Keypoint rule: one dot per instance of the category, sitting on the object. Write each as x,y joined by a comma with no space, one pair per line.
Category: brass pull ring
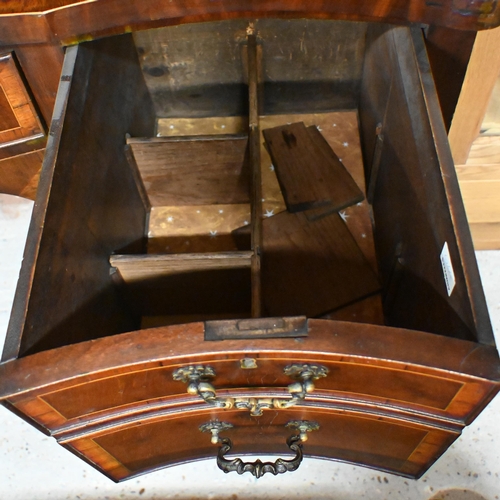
258,468
197,377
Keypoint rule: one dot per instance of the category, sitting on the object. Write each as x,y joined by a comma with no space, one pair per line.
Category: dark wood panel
42,65
77,20
311,268
82,215
411,206
197,172
309,172
449,52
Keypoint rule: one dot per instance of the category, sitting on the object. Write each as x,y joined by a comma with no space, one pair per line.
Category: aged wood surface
140,267
19,122
22,130
409,350
86,214
96,393
19,175
193,172
349,436
175,127
449,53
42,65
256,328
309,172
412,269
197,228
311,268
254,56
71,21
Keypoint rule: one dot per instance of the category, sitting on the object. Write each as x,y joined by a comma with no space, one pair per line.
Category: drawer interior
159,202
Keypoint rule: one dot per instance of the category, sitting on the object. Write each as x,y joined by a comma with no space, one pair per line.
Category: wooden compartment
159,211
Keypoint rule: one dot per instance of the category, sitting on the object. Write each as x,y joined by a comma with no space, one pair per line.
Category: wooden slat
193,172
311,268
480,79
309,172
142,267
254,154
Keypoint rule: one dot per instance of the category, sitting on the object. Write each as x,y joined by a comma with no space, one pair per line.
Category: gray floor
33,466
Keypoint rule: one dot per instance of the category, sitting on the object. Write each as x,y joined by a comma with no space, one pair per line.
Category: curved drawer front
384,443
407,389
390,368
390,400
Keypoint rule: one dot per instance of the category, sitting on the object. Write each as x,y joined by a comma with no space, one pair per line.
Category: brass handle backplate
198,376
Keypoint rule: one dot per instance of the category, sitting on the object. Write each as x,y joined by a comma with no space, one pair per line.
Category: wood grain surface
72,21
141,267
309,172
194,172
84,214
311,268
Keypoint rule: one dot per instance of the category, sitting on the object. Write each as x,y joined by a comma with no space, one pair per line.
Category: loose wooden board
311,268
309,172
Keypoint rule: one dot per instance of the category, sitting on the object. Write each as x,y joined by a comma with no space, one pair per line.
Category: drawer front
431,393
388,444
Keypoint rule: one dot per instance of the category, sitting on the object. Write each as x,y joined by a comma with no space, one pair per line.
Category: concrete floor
34,467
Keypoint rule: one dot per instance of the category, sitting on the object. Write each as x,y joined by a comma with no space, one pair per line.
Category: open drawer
164,286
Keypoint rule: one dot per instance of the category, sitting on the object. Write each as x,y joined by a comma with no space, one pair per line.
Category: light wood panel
480,187
480,79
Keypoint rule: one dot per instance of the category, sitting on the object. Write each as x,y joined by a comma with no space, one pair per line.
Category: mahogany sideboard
150,329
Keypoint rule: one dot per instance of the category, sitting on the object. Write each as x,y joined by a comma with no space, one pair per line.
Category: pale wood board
482,74
486,236
171,127
480,187
491,121
142,267
485,150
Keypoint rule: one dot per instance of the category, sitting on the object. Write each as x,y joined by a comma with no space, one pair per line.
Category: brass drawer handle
259,468
197,377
